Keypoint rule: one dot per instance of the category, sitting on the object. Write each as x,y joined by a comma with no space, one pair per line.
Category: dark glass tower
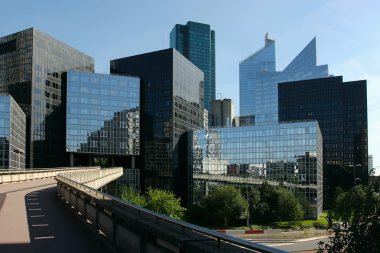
31,65
171,103
196,42
341,111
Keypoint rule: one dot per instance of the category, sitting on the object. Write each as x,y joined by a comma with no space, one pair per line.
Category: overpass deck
33,219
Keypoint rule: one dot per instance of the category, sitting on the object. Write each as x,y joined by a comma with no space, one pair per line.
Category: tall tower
31,64
259,79
196,42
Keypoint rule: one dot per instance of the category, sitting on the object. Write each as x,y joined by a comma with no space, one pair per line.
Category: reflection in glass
249,156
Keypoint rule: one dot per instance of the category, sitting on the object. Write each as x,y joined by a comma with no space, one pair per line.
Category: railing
11,176
114,202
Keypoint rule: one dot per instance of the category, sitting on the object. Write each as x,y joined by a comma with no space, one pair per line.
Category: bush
306,225
320,224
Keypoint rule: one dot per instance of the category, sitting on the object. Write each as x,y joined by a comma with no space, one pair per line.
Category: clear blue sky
347,31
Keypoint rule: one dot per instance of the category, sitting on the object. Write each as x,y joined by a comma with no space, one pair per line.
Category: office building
171,103
280,154
222,113
245,120
102,118
259,79
341,111
12,134
196,42
31,67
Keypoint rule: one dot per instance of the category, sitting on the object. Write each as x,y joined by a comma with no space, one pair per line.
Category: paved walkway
33,219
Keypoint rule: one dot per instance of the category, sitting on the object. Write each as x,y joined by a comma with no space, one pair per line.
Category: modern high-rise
171,103
12,134
102,118
341,111
31,67
222,113
259,79
196,41
279,154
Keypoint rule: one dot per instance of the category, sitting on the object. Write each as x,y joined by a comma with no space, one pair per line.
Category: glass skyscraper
341,110
12,134
102,115
280,154
171,103
259,79
196,42
31,65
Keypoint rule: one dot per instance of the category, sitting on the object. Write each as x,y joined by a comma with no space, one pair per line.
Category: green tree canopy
288,206
355,219
225,203
132,196
164,202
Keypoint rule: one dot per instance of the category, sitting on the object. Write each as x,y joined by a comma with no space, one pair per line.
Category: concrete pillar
71,159
133,162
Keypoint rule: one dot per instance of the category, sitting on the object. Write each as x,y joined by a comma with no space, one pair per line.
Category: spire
307,58
267,39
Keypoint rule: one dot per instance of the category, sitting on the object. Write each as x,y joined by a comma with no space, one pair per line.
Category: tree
132,196
288,206
225,203
358,229
164,202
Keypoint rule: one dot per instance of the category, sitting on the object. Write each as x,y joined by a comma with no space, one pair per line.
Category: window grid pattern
12,134
103,114
259,79
287,154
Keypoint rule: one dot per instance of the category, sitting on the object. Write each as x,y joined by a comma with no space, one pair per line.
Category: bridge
62,210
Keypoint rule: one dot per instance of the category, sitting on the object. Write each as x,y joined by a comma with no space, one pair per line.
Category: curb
250,231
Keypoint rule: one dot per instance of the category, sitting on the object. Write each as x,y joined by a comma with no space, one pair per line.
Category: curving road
33,219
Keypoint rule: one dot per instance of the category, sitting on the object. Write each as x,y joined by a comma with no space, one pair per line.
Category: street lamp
354,168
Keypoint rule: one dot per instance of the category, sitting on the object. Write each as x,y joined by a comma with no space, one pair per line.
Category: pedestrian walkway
33,219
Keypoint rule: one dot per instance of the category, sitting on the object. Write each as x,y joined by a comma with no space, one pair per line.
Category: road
290,245
33,219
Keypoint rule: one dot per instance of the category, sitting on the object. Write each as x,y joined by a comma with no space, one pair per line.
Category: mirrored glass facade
259,79
12,134
341,110
31,67
102,114
171,103
196,42
286,154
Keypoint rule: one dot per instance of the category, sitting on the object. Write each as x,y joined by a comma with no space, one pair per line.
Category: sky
347,32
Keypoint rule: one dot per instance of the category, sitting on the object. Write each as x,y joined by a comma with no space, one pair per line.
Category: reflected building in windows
31,68
259,79
102,118
196,41
171,103
341,111
12,134
280,154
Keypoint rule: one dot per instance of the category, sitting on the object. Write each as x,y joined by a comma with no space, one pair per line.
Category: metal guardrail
218,237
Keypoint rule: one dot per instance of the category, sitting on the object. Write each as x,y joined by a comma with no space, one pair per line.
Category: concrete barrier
128,228
8,176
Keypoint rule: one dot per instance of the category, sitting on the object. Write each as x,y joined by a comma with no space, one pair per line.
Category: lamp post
354,168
